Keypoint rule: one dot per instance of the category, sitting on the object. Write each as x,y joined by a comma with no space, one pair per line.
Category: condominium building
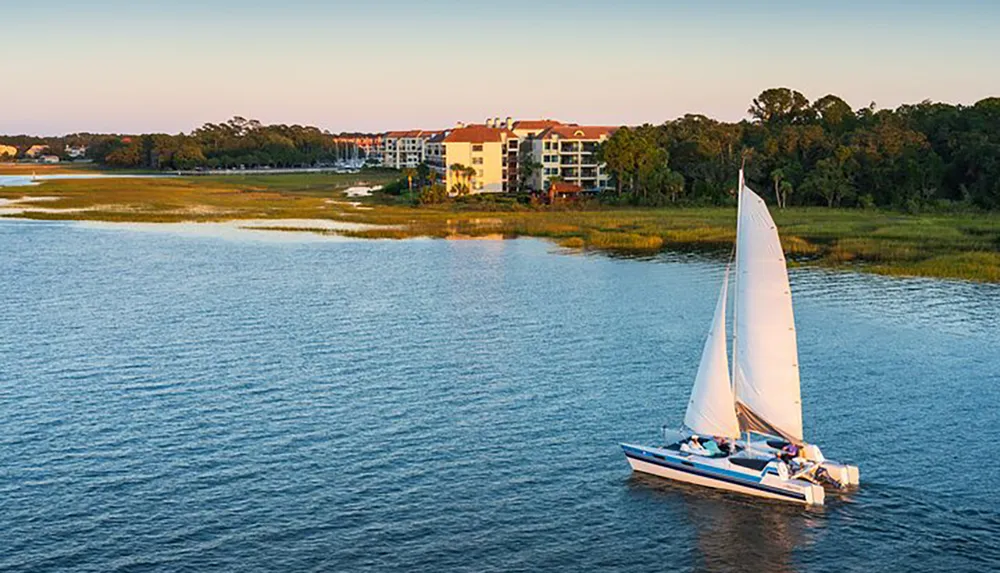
490,150
568,153
434,154
525,129
402,149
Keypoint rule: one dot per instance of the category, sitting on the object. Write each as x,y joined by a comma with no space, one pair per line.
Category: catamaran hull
768,486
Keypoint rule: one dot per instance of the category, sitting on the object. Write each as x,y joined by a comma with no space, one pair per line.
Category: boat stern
815,494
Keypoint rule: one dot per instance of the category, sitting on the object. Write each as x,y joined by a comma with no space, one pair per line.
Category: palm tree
777,175
457,169
469,172
409,173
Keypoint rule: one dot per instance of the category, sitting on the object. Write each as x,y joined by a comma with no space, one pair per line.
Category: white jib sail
711,411
765,354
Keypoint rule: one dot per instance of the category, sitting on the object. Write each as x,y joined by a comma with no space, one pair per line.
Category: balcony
569,147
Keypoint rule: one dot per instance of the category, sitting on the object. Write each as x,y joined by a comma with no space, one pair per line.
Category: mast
736,275
736,282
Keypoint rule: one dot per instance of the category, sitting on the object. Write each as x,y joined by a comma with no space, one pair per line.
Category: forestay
710,411
765,354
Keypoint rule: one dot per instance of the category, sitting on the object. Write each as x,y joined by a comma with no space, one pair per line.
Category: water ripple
175,402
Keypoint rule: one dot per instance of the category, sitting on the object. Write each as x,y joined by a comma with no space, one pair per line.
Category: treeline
236,143
819,153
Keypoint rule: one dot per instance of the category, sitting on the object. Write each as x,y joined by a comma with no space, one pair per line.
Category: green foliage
913,158
526,168
433,194
396,187
127,155
781,105
236,143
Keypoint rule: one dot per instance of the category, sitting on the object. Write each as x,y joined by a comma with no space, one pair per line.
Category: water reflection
733,533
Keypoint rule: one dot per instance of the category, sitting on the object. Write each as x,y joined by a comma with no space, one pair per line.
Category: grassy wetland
946,245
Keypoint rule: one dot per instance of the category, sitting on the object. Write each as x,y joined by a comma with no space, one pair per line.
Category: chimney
496,122
510,122
489,122
459,124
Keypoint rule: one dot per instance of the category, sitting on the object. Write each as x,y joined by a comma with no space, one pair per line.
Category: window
548,145
477,160
477,147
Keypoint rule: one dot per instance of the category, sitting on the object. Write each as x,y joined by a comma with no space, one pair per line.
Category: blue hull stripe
715,476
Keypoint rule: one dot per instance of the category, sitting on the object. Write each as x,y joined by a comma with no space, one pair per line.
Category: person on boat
712,447
789,452
724,446
693,446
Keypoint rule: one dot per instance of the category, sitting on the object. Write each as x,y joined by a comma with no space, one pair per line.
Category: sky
374,65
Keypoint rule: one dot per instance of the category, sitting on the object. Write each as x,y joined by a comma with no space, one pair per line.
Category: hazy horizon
110,66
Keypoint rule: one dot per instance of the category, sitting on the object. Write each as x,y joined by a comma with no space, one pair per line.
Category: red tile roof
564,187
478,134
538,123
577,132
411,133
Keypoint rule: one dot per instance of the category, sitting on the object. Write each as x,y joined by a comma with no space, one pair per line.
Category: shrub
433,195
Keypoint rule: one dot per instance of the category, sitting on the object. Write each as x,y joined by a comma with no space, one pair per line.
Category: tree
424,173
785,191
828,181
128,155
526,168
834,113
188,156
409,173
780,105
433,194
461,173
778,176
470,173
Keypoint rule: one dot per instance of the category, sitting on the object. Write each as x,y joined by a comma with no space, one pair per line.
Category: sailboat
754,417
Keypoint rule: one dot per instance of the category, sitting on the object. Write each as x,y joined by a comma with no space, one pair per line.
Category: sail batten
711,410
765,350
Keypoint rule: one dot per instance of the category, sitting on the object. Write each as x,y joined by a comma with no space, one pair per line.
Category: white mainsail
765,352
711,411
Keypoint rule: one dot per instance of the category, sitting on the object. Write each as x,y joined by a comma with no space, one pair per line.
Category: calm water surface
172,402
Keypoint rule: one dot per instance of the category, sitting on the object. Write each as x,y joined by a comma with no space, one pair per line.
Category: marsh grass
27,169
963,246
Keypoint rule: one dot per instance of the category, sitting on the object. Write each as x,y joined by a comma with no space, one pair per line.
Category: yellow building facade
481,159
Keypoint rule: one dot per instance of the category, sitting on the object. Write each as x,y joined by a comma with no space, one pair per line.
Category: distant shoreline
941,245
